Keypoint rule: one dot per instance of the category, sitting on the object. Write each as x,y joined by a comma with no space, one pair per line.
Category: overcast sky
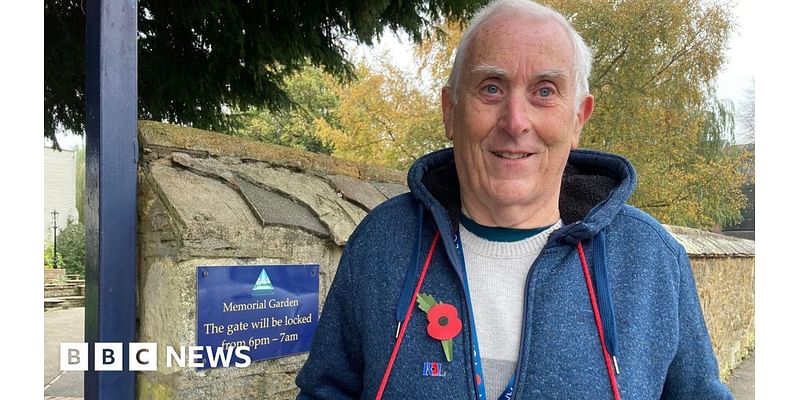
738,75
739,71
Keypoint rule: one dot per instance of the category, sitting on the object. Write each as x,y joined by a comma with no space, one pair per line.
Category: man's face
515,120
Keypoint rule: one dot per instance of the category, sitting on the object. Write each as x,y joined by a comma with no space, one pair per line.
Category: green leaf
425,302
447,345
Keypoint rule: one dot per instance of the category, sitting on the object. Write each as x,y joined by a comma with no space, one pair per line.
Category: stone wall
724,271
211,199
55,275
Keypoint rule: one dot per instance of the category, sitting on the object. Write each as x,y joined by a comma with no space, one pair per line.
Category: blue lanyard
475,350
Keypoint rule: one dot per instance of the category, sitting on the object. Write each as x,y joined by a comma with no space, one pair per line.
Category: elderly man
514,268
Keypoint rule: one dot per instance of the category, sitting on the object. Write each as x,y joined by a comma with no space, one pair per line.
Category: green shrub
72,246
49,260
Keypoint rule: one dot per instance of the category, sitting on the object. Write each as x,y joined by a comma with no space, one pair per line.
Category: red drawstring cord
599,322
388,371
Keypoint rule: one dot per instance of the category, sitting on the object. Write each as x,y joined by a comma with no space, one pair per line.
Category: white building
59,189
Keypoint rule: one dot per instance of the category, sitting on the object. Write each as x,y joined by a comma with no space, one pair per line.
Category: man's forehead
503,38
511,26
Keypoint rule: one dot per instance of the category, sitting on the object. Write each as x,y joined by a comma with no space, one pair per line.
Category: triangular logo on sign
263,284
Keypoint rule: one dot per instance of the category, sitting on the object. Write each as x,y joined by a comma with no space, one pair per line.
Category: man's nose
516,117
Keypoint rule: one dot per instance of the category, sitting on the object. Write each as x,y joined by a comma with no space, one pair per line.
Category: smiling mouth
511,156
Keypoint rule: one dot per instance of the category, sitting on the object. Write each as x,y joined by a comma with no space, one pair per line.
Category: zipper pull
616,366
396,334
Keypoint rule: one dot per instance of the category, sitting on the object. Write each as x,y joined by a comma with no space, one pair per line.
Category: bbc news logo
144,356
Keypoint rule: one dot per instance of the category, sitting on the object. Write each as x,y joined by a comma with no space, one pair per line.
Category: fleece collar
594,187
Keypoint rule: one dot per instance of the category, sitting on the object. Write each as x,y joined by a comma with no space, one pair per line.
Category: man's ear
581,116
447,111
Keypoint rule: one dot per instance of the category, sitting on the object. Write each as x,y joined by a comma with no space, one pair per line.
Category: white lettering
196,356
143,356
241,353
233,307
180,359
283,303
218,354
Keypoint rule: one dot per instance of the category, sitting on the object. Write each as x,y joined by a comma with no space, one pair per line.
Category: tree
746,114
392,117
72,247
653,79
199,59
385,118
313,95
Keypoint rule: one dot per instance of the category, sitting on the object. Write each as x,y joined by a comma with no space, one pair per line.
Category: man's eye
545,92
491,89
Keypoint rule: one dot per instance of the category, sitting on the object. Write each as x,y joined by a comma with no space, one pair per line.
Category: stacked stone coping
211,199
160,138
701,243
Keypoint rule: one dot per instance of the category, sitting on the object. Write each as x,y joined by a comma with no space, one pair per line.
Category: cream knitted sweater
496,273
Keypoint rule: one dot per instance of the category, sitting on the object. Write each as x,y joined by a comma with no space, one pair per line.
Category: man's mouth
511,156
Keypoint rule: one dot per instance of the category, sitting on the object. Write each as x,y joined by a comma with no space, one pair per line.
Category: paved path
743,379
61,326
67,326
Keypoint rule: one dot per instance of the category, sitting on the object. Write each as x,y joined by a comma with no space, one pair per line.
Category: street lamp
55,237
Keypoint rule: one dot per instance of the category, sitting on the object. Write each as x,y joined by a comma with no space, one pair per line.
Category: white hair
582,67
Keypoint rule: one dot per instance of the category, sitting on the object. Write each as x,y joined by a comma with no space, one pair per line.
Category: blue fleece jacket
651,316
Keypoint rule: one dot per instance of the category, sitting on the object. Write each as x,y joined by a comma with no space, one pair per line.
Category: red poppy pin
443,322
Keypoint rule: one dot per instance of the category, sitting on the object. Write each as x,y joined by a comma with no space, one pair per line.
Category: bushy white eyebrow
489,70
550,73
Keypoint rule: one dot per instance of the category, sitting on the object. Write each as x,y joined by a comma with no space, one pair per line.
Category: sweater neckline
499,234
531,246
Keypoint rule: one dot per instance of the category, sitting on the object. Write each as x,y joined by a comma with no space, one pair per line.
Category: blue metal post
111,158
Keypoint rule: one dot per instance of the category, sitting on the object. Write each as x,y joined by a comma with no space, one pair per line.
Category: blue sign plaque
273,309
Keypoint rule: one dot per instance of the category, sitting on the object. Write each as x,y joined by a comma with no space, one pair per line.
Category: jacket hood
594,187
